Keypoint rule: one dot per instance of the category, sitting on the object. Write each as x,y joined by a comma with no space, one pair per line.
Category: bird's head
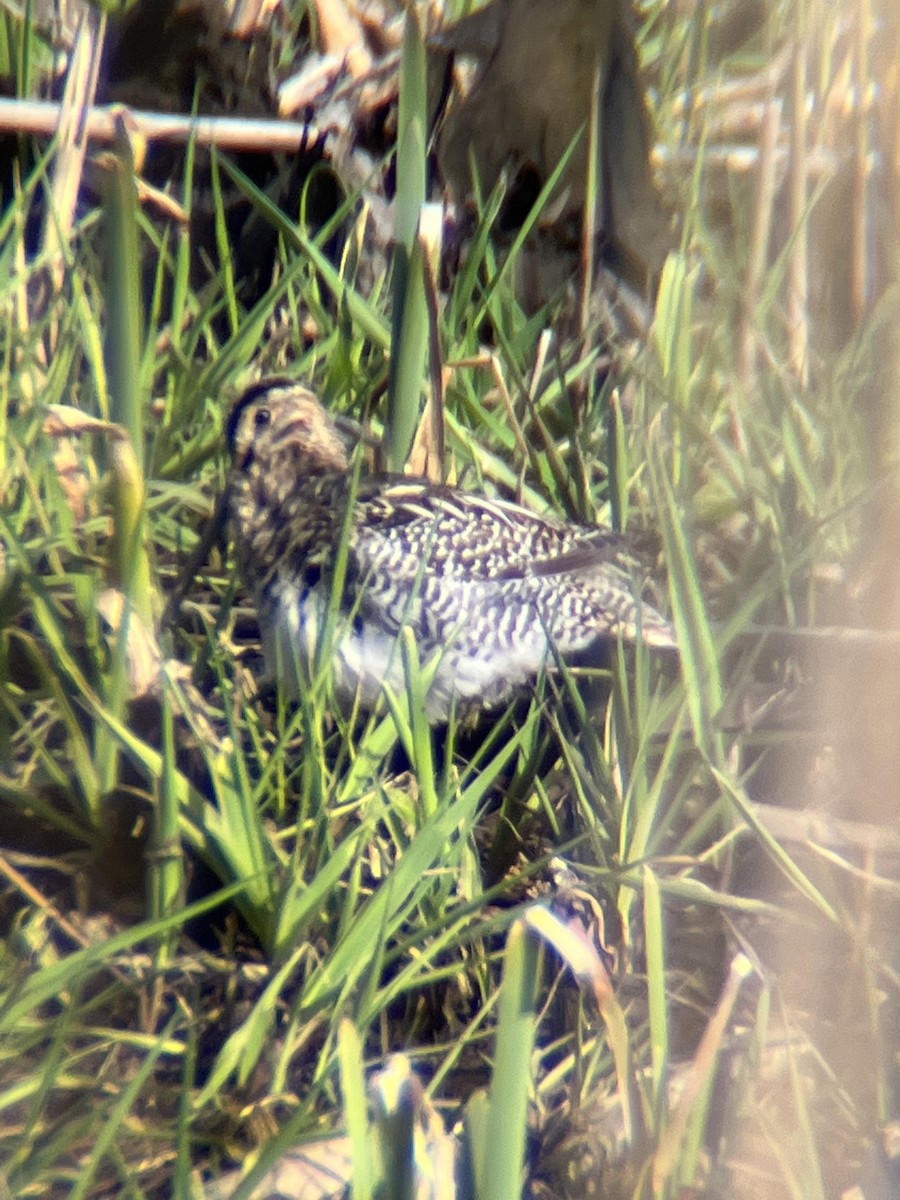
278,421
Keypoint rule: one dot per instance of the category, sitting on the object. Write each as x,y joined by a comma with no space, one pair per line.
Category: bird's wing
468,536
580,562
478,538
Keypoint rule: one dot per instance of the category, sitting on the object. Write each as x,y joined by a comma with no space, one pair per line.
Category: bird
493,593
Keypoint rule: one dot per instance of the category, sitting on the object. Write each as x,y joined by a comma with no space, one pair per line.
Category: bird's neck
280,517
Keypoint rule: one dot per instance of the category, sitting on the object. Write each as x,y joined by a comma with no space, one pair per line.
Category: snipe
491,591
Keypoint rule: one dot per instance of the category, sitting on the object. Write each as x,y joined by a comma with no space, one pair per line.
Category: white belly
365,658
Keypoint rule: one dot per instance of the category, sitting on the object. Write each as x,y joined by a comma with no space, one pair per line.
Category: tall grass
291,895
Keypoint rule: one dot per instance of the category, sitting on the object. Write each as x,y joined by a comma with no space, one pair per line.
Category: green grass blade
409,330
654,934
699,658
242,1050
351,1054
46,985
511,1082
360,310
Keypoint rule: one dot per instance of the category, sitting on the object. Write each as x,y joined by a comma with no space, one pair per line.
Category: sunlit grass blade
123,274
512,1077
654,934
130,565
304,897
409,327
697,650
522,236
412,721
695,1095
166,875
237,831
353,1090
363,314
242,1050
581,957
779,855
410,882
50,982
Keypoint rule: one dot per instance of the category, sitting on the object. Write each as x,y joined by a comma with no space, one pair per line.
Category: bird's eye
262,418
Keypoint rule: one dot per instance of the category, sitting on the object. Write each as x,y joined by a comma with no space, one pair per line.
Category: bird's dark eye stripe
255,392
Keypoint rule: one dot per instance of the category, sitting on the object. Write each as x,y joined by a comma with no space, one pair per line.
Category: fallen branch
41,118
